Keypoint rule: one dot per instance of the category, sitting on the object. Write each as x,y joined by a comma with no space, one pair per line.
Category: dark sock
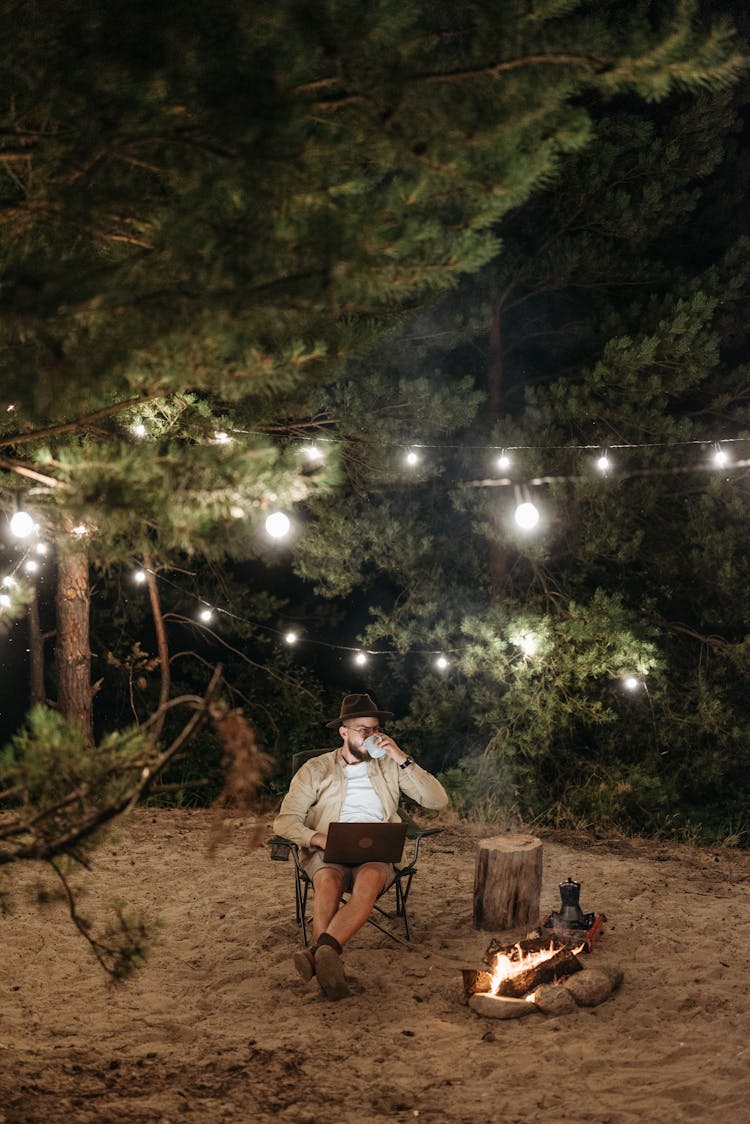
326,938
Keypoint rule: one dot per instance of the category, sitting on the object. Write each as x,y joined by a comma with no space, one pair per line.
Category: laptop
365,843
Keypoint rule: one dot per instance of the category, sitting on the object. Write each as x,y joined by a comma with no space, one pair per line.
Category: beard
360,753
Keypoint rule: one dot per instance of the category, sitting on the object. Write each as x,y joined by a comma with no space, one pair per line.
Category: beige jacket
316,794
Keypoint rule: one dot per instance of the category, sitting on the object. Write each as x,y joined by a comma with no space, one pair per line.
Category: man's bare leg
328,886
368,885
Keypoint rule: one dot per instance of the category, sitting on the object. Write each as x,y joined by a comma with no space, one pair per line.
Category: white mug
373,746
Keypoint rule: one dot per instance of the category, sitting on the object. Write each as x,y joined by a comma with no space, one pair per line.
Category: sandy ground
218,1027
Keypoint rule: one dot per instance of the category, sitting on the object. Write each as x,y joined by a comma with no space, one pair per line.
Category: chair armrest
281,848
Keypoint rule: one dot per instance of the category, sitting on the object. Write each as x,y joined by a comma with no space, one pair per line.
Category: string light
313,453
21,524
504,462
41,548
527,515
80,530
9,581
528,643
278,525
139,577
411,458
138,430
360,659
721,457
4,601
631,683
206,615
31,566
604,464
290,638
441,663
222,438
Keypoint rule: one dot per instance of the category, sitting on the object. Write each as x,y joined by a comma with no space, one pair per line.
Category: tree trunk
37,694
498,567
73,655
508,882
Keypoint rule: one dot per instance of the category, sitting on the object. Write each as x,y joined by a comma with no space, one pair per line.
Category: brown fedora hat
357,706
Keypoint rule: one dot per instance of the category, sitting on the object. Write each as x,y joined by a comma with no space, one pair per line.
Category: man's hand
319,840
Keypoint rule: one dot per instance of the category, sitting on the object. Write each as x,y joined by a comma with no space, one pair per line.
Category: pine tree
204,214
620,299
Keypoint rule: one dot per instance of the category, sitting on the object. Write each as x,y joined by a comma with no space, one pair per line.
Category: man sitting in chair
347,784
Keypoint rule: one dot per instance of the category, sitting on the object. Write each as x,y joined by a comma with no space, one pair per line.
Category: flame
510,964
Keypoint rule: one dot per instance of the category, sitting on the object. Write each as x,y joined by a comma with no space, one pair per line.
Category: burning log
507,882
561,963
516,971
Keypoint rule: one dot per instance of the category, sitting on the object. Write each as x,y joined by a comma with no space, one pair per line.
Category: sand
217,1027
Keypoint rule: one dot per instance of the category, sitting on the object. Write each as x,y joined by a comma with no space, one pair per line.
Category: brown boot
329,968
304,962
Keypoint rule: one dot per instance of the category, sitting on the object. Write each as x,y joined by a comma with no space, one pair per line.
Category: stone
554,1000
590,987
616,974
496,1007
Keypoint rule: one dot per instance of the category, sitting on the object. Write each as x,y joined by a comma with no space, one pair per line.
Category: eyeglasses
364,730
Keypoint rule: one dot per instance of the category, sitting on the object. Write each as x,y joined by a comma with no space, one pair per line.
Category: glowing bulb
278,525
290,637
10,409
631,683
9,581
4,601
139,430
21,525
529,644
527,516
237,512
313,453
360,658
441,663
503,461
411,458
31,566
80,530
721,458
139,576
41,548
222,438
206,615
604,464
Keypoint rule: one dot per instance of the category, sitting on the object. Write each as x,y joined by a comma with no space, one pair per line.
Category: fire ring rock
590,987
554,1000
497,1007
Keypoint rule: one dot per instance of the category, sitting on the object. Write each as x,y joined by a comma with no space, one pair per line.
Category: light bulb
313,453
528,644
9,581
4,601
360,658
721,458
206,615
41,548
138,430
527,515
21,524
604,464
441,663
290,638
631,683
278,525
80,530
503,462
411,458
139,576
222,438
31,566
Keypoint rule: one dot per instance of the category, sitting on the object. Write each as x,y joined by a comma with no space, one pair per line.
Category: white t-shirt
361,803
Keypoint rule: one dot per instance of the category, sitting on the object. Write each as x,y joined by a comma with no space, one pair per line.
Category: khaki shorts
348,873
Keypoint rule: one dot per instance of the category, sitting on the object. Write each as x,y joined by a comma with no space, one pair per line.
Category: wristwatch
406,764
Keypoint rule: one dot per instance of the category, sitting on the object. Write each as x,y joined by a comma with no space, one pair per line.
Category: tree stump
508,882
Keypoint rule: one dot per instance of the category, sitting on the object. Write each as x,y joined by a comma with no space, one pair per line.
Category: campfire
543,971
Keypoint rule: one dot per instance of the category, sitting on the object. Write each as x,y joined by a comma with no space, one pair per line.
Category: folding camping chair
282,848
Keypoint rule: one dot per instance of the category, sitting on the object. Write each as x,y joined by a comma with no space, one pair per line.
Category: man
348,784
